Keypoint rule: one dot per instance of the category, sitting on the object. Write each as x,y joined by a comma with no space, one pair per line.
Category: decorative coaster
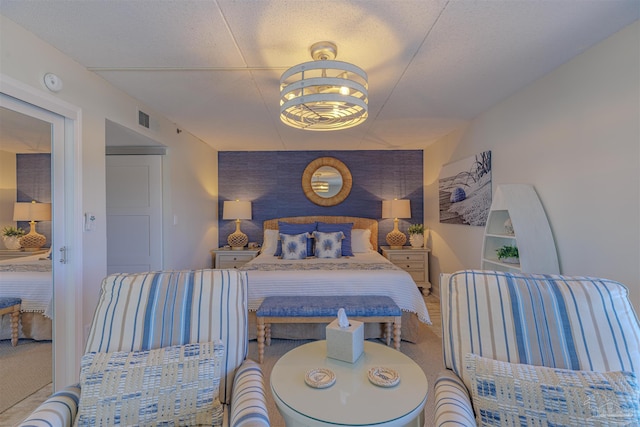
320,378
383,377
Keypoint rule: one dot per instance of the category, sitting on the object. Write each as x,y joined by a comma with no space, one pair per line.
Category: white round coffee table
352,400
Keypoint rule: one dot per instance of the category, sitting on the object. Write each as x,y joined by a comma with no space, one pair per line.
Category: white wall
575,135
190,164
8,187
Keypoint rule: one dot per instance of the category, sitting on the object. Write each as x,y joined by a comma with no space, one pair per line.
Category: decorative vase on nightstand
416,240
416,235
11,237
11,242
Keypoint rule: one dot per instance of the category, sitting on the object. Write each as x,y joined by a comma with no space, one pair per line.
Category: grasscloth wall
271,180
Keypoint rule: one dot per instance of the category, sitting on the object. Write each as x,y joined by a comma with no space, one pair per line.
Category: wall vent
143,119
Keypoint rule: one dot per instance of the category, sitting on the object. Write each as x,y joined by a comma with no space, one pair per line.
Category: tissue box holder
345,344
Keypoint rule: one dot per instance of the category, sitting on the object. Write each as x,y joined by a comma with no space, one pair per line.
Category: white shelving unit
531,232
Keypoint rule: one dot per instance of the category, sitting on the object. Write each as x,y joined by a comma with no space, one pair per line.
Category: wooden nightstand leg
260,333
396,332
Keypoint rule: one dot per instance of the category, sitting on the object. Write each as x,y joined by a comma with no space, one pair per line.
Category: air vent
143,119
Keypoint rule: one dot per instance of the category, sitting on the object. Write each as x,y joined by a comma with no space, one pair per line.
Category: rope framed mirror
326,181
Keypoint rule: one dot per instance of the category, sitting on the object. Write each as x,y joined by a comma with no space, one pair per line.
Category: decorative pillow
270,242
346,230
328,245
294,246
171,385
517,394
361,240
289,228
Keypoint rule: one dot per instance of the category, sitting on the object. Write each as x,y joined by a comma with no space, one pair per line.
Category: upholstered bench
324,309
11,305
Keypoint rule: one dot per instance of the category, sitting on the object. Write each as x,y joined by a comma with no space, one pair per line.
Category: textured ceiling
213,66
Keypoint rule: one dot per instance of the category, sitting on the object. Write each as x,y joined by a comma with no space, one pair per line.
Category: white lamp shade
236,209
396,208
25,211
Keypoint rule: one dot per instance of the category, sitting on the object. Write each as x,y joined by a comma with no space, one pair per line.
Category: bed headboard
365,223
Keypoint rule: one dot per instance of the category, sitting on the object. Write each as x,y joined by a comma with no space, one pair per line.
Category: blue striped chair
147,311
577,323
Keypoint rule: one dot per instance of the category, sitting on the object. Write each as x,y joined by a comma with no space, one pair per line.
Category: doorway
66,202
134,213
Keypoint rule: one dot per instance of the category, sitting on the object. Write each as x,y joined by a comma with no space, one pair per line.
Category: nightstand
413,261
229,258
9,254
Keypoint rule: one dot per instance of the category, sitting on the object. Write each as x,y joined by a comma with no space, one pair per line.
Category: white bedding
363,274
29,278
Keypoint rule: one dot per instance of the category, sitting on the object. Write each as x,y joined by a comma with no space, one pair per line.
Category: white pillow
518,394
361,240
175,385
270,242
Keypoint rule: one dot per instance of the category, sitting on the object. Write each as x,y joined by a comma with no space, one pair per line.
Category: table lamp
396,209
237,210
32,212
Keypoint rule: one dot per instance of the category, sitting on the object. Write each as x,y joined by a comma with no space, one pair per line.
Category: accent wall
33,180
272,181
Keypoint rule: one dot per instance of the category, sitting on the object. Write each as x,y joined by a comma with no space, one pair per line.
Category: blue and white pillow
176,385
519,394
328,245
293,228
294,246
346,228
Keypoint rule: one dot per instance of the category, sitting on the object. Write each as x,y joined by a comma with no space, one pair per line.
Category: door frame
67,299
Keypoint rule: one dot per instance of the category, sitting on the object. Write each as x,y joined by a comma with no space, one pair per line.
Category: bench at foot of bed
324,309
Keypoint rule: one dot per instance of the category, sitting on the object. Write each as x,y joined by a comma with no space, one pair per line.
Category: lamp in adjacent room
237,210
396,209
324,94
32,212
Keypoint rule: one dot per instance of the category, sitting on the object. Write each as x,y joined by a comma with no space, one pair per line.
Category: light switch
89,221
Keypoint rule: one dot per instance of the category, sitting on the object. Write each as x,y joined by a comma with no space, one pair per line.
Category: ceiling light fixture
324,94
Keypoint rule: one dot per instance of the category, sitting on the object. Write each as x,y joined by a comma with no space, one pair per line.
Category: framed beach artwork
465,190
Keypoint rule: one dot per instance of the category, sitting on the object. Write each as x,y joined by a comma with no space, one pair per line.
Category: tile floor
17,413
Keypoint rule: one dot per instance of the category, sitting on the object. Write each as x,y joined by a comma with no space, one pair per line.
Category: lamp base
396,239
34,240
237,240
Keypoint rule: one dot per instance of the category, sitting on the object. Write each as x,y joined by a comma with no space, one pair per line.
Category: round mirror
326,181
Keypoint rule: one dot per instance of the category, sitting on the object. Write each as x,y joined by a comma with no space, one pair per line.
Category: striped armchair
576,323
147,311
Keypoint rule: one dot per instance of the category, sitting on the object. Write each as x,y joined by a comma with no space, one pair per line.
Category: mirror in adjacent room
326,181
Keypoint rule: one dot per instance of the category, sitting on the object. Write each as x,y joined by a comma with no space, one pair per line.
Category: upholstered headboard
364,223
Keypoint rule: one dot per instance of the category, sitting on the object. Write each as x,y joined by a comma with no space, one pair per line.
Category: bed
365,273
29,278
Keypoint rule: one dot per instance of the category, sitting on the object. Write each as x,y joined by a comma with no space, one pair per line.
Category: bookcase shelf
531,232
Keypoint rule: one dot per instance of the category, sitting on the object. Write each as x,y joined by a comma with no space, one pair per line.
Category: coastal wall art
465,190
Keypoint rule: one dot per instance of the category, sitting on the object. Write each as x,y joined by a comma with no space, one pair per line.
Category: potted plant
416,235
11,236
508,254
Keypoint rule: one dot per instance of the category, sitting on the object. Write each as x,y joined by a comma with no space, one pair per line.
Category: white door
134,213
65,293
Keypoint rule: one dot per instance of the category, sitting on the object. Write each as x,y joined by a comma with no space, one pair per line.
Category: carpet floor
426,352
24,369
